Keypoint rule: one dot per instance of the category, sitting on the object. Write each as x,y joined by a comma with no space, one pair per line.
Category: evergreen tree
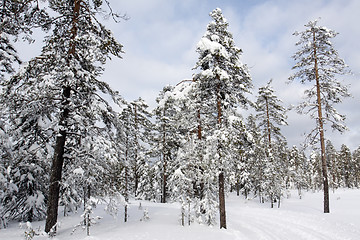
298,170
333,164
346,163
134,133
317,61
221,85
59,90
256,156
271,115
166,138
18,18
356,159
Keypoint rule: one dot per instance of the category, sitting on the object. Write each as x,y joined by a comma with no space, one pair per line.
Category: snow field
247,219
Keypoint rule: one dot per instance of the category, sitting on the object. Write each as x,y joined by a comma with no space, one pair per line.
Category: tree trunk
126,195
164,180
222,200
221,174
237,188
56,168
88,212
321,130
268,122
58,159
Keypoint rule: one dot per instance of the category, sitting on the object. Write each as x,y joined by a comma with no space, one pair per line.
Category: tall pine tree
318,62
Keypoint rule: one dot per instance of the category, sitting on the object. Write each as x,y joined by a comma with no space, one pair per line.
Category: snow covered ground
247,219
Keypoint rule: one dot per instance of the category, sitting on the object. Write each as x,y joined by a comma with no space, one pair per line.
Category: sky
160,39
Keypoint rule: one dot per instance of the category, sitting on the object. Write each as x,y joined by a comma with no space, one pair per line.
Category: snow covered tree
138,163
356,159
345,160
23,198
332,161
165,142
271,115
298,169
257,156
221,83
318,62
18,18
61,87
240,144
134,133
181,191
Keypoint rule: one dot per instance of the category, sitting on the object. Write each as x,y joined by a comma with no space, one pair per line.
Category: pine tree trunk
88,213
221,174
56,168
268,123
237,188
321,129
222,200
126,195
58,159
163,196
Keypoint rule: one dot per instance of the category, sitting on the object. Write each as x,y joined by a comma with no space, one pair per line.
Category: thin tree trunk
137,167
221,174
189,211
321,129
163,197
88,213
126,190
268,122
222,200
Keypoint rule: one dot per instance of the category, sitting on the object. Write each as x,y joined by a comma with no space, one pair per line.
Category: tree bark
268,122
164,180
222,200
321,130
56,168
221,174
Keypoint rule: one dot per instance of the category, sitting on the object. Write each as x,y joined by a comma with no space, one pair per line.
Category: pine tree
257,156
356,159
298,169
17,21
18,18
221,86
333,164
61,88
166,139
271,115
317,61
346,163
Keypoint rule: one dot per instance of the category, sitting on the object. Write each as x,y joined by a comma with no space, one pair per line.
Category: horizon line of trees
62,142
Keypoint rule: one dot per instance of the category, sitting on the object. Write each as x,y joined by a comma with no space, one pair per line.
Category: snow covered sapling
145,216
181,190
318,62
88,219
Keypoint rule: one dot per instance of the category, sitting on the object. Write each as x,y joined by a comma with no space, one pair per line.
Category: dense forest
64,143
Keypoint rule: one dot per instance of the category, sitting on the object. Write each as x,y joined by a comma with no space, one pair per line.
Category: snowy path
257,221
247,220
